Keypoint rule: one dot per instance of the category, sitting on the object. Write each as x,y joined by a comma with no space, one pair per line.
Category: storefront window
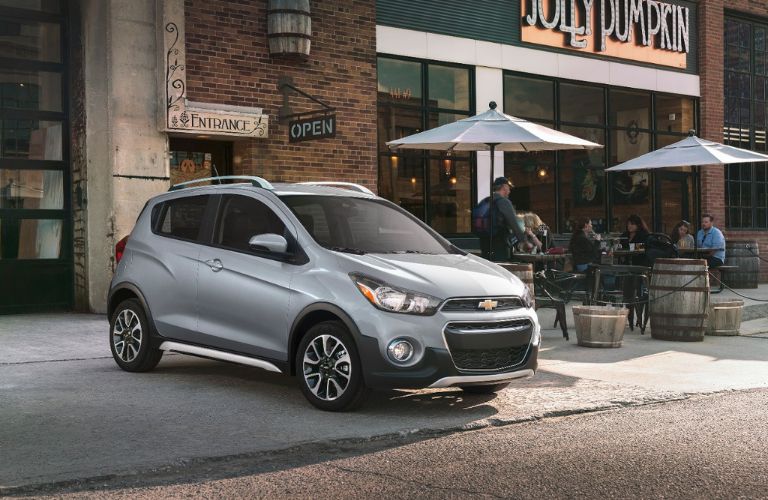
533,176
448,87
31,139
415,96
401,180
52,6
529,98
582,104
31,189
450,194
630,109
675,114
746,99
30,40
582,181
30,239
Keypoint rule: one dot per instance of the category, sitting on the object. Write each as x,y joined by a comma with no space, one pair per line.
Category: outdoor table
629,292
626,256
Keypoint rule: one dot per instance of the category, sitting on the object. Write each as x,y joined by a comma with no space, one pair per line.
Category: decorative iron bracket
285,85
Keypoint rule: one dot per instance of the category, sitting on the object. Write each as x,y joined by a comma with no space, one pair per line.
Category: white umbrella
492,131
691,151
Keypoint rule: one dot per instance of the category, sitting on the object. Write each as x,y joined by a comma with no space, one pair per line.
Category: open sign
310,129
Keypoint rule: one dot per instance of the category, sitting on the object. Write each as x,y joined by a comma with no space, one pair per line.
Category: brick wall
228,62
711,61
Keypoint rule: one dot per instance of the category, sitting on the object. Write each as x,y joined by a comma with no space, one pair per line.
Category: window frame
426,156
608,129
732,182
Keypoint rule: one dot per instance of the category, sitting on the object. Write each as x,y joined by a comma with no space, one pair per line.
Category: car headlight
526,298
391,299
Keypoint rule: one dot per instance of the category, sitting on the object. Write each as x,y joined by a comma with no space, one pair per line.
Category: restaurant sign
651,31
309,129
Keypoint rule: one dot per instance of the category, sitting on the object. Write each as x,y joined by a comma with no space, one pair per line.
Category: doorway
673,200
192,159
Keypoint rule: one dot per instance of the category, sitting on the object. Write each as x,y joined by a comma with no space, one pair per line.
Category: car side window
183,217
241,218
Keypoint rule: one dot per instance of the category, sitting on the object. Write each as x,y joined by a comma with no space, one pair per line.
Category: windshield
361,225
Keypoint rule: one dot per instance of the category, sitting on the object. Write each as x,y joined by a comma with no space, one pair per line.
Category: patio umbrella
690,152
492,131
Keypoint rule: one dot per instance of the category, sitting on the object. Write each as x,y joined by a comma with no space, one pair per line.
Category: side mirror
269,241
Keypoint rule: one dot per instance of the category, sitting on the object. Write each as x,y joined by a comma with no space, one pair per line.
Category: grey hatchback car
325,281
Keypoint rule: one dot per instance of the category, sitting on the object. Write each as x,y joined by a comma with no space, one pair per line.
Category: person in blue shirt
711,237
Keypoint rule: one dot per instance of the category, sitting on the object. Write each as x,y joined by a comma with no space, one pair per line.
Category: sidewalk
67,412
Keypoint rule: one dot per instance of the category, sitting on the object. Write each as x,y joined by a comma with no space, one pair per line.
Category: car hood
441,276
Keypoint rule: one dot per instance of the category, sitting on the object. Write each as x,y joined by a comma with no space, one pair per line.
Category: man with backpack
507,230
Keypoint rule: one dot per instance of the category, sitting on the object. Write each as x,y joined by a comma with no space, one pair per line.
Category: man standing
505,224
711,237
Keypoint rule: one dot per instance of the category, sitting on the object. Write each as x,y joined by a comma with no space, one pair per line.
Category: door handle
215,265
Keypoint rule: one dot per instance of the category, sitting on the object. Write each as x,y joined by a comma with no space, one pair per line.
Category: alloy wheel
327,367
127,335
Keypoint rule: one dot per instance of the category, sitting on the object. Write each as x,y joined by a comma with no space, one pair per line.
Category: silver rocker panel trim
481,379
220,355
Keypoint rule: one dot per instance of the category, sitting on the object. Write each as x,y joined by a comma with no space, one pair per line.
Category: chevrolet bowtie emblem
488,305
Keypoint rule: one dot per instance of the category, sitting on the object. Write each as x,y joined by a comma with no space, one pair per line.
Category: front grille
472,305
490,359
488,346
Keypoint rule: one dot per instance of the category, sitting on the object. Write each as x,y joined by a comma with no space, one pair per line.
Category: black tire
485,389
323,394
132,355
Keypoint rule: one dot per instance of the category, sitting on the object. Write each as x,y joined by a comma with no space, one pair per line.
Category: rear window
183,217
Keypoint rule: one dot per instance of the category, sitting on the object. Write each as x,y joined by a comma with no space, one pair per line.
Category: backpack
659,246
481,219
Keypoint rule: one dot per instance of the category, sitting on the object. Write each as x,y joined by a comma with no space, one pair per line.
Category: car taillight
120,249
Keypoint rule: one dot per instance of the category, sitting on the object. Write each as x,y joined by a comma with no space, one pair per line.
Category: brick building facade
228,62
712,16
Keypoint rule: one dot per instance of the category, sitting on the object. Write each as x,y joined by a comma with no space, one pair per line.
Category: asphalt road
708,447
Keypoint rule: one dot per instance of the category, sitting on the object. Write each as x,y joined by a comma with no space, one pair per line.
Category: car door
169,264
244,294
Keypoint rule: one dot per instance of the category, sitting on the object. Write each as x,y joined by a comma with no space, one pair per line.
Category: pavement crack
383,475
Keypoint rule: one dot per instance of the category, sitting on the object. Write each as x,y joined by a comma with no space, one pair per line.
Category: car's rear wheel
485,389
129,338
328,368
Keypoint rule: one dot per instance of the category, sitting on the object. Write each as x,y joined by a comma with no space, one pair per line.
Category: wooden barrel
679,299
724,317
743,254
522,271
599,326
289,27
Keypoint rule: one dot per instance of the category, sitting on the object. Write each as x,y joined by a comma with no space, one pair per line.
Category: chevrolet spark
324,281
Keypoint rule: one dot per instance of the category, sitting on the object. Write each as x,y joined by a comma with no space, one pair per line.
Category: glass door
673,200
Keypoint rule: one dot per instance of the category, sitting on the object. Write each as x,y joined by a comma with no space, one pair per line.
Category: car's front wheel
485,389
129,338
328,368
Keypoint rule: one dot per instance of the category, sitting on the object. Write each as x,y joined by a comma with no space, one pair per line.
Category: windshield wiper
355,251
413,251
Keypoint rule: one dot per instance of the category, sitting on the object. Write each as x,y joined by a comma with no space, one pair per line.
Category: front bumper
435,369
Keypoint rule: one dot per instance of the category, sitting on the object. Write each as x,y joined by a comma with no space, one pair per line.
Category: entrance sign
650,31
309,129
176,113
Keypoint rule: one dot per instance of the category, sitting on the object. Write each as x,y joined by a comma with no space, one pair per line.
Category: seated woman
532,223
584,250
637,232
681,236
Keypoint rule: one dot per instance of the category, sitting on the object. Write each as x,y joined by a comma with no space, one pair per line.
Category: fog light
400,350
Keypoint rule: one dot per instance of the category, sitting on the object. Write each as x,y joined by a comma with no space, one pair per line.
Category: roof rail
255,181
347,185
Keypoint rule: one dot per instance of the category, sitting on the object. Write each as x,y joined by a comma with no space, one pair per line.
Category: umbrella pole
697,190
493,213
